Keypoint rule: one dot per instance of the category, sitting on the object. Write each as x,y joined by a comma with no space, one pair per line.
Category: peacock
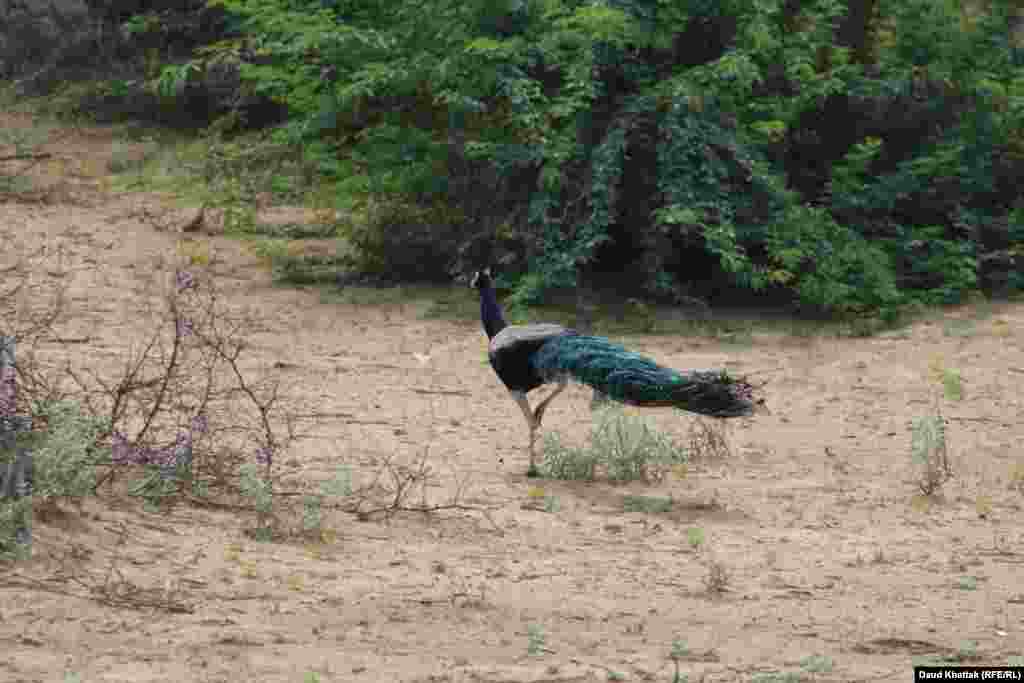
528,356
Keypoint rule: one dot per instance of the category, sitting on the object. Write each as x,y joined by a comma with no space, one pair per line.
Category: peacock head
481,279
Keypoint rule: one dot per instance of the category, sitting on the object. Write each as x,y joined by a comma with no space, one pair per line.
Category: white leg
531,421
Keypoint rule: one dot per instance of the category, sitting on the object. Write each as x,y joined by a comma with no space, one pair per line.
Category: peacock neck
490,312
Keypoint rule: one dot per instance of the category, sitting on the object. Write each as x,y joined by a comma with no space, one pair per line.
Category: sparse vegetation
952,385
535,640
817,664
776,677
648,504
678,652
967,583
622,446
695,537
930,454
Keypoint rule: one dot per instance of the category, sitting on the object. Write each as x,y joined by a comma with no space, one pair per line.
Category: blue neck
490,312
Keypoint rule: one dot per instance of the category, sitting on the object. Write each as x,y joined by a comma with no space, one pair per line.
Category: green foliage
626,447
173,79
555,136
401,239
255,488
153,488
929,453
952,386
817,664
695,537
260,493
678,652
312,517
563,461
15,515
339,486
66,454
536,640
829,265
648,504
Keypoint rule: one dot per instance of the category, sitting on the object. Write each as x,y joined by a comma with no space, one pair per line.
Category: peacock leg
531,422
539,413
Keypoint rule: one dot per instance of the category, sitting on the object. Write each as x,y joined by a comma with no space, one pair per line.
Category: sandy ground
835,571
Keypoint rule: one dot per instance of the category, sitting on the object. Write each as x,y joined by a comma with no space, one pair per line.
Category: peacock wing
516,337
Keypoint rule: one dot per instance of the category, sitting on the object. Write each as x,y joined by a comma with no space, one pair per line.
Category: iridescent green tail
633,379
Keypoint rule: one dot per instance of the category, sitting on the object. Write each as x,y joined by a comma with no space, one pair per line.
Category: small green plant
66,454
967,583
648,504
930,454
312,517
123,159
140,23
616,676
564,461
967,651
535,640
776,677
817,664
678,653
174,78
311,677
15,515
695,537
260,492
339,486
930,660
952,386
629,446
153,488
959,328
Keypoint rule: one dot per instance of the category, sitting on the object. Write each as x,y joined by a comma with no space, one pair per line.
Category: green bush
626,447
66,453
857,161
401,241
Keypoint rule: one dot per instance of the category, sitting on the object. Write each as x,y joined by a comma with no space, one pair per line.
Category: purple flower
265,455
184,280
183,327
200,424
121,452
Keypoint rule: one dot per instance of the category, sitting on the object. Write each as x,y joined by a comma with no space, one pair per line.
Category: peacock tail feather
633,379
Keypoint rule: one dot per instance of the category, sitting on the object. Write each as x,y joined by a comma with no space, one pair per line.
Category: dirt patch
832,569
